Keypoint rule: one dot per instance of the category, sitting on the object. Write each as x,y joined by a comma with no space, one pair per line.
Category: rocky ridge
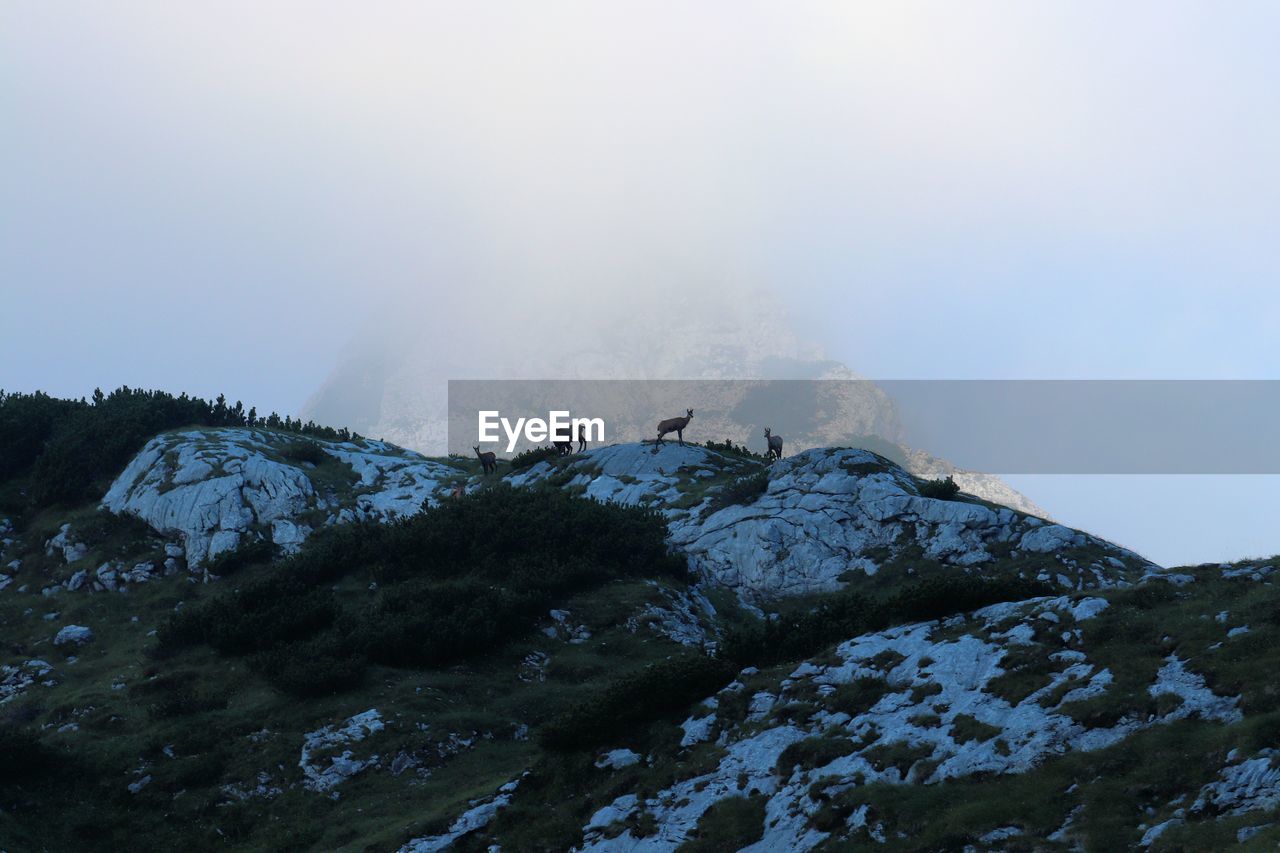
820,517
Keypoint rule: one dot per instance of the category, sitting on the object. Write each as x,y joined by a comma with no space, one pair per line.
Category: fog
237,198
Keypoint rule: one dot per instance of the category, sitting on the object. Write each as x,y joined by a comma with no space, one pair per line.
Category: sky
221,198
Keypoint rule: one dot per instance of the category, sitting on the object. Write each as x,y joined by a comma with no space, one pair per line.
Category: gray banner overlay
994,426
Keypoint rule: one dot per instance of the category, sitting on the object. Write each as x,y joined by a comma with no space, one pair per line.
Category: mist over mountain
392,383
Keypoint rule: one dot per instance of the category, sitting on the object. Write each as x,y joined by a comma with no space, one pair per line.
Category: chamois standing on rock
579,435
488,460
675,425
774,442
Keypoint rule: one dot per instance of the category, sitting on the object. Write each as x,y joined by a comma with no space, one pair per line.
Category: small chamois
675,425
775,444
488,460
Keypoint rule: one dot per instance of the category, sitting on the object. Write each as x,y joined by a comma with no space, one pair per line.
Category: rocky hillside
819,519
255,640
807,524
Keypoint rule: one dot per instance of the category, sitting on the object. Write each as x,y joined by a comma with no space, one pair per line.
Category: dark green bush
742,491
635,700
319,666
248,554
730,824
728,448
812,752
453,581
945,490
532,456
304,451
23,755
848,614
946,595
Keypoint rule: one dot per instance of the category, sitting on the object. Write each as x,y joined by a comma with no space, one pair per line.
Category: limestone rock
75,635
214,488
824,516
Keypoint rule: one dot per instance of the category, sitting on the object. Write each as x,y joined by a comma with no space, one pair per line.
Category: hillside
253,639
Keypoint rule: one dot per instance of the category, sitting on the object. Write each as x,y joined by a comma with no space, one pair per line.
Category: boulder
76,635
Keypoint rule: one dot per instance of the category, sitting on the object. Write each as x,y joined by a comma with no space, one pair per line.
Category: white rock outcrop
216,488
326,763
825,513
75,635
932,716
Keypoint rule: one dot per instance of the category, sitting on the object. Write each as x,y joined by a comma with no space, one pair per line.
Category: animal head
690,412
767,432
476,448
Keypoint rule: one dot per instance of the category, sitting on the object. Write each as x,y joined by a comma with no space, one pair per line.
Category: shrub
728,448
942,595
965,728
945,490
730,824
248,554
859,696
24,754
741,491
636,699
899,754
532,456
847,614
812,752
316,667
454,581
304,451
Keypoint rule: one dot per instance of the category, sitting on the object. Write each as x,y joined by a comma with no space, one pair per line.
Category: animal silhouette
675,425
488,460
775,444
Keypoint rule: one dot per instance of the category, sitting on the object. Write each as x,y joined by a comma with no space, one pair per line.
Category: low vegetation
945,490
452,582
532,456
742,491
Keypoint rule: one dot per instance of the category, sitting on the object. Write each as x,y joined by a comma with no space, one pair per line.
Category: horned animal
488,460
579,435
675,425
775,444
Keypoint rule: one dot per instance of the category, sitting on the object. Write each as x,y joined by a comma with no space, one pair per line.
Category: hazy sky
217,197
